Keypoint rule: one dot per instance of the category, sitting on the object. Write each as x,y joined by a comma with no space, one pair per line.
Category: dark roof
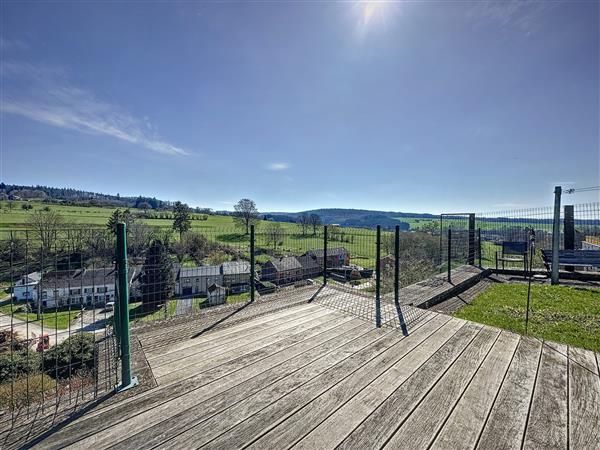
85,278
235,267
308,262
215,287
335,251
286,263
201,271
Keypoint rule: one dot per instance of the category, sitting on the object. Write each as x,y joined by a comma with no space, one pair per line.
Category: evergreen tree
113,220
157,280
181,218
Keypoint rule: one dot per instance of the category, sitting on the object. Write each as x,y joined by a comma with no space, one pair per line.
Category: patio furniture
573,258
513,252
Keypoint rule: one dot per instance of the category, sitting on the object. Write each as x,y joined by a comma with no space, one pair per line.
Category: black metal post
252,264
325,254
569,230
397,281
449,254
378,278
471,255
479,244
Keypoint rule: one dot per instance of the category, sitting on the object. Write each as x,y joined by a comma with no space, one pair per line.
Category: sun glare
373,13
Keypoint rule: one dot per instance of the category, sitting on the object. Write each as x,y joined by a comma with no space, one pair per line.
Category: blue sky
404,106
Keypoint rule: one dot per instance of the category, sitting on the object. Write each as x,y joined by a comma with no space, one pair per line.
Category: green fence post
325,254
252,264
127,381
397,280
449,255
479,245
378,278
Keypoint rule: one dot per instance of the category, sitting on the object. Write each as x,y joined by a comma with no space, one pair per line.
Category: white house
217,295
26,287
92,287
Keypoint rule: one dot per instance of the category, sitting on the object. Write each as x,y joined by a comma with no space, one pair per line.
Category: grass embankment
557,313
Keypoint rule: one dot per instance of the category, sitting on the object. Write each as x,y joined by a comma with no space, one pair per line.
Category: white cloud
278,166
49,98
521,15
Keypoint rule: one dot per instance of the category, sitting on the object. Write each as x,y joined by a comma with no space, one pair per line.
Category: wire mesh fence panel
587,226
505,236
180,274
58,285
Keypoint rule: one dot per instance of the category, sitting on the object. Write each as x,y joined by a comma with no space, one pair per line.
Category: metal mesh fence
57,289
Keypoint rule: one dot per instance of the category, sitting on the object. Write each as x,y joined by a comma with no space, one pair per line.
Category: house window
88,290
88,298
102,290
74,291
44,295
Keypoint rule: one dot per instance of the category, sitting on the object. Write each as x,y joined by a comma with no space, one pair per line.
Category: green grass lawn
58,319
557,313
138,312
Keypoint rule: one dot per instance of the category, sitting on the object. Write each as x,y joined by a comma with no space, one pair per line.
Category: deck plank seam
386,333
489,413
290,415
436,434
430,388
537,371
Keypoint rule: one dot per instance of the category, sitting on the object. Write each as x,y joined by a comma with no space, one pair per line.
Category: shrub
25,390
74,355
18,364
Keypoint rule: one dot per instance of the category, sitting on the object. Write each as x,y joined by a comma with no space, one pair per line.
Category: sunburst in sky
374,14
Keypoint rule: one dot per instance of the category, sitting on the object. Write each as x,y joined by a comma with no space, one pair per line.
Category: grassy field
557,313
59,319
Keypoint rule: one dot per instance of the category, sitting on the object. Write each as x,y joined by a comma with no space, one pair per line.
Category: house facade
284,270
190,281
89,287
236,276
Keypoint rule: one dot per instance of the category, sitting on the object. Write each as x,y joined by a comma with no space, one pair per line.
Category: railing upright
378,278
479,245
397,280
252,264
325,254
449,254
127,380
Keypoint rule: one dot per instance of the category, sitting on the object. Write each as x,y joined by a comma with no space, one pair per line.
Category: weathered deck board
229,333
584,400
252,341
421,426
464,426
205,402
310,376
507,420
212,380
547,424
352,355
356,365
309,416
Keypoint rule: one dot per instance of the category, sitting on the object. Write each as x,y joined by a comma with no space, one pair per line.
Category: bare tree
45,226
274,234
315,221
245,213
304,222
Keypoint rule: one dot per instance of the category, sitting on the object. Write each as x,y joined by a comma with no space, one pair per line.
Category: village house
284,270
336,257
236,276
190,281
217,294
62,288
310,267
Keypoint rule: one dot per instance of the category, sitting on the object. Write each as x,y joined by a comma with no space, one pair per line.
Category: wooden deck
316,377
